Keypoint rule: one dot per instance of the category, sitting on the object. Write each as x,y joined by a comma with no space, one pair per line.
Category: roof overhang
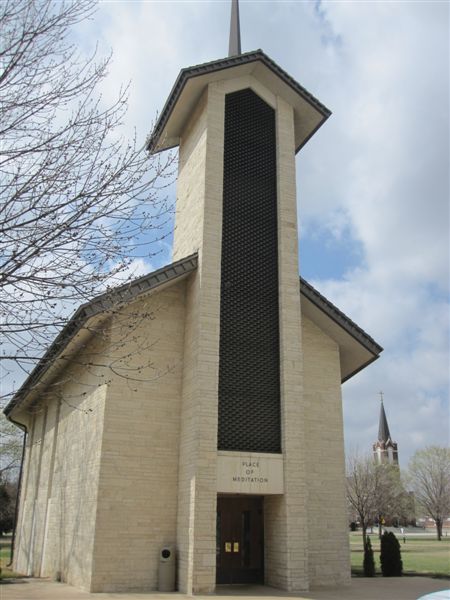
309,113
356,348
88,319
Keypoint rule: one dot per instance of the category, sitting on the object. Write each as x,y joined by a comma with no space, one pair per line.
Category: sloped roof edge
97,305
151,281
225,63
339,317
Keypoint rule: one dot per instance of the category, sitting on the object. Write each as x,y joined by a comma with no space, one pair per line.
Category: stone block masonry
328,545
206,380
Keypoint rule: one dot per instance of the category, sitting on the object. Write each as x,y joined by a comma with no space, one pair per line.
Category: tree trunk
364,533
439,529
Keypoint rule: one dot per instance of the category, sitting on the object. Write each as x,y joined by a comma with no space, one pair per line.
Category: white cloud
389,158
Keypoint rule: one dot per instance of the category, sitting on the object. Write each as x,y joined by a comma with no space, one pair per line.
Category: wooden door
240,539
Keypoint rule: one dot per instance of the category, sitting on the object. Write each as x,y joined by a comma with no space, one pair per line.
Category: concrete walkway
379,588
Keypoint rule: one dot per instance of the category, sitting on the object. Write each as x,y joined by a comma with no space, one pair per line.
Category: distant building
385,450
430,523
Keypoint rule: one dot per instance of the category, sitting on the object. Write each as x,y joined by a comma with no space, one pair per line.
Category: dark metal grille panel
249,372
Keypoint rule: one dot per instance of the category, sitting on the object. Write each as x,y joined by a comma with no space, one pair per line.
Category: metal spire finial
235,30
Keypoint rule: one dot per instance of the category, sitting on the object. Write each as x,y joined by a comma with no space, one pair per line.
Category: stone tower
385,449
238,123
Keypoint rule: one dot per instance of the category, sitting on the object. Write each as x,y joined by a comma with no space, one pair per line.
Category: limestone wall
286,525
100,476
188,237
329,554
198,443
59,490
189,218
138,481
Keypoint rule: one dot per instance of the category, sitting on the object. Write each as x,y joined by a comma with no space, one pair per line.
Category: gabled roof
309,113
357,348
101,304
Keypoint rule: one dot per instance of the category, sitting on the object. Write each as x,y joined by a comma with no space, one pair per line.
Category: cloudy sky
373,187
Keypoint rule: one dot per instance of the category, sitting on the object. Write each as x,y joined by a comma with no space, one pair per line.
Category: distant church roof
383,429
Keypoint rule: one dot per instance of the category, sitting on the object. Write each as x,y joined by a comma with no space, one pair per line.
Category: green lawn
421,555
5,544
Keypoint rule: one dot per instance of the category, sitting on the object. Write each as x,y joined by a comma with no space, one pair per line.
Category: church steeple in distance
383,428
384,449
234,48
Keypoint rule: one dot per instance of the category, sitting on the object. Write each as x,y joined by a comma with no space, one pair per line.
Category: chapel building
228,443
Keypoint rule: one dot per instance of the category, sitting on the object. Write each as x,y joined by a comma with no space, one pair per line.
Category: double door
240,539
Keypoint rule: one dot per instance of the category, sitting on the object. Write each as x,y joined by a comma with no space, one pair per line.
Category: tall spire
385,450
383,429
235,30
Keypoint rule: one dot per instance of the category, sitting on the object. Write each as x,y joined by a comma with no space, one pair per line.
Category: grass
5,546
421,555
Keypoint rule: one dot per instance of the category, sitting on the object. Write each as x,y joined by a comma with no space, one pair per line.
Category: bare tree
429,474
79,203
390,494
374,491
361,490
10,450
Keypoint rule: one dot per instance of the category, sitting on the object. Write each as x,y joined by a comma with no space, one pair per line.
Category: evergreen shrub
390,555
368,564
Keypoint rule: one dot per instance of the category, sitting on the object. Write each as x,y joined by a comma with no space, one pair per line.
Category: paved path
379,588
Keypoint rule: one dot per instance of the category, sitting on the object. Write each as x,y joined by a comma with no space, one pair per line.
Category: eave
76,332
356,348
309,113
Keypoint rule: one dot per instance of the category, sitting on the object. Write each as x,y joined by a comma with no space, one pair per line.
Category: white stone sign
249,473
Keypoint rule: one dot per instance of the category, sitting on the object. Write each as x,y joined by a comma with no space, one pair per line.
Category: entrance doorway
240,539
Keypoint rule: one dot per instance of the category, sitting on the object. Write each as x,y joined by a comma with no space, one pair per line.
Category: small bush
368,564
390,555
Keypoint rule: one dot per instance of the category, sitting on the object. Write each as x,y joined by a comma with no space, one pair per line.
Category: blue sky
373,188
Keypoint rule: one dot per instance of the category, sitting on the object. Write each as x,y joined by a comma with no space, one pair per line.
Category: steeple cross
381,396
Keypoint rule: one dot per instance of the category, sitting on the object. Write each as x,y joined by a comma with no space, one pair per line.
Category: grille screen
249,376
